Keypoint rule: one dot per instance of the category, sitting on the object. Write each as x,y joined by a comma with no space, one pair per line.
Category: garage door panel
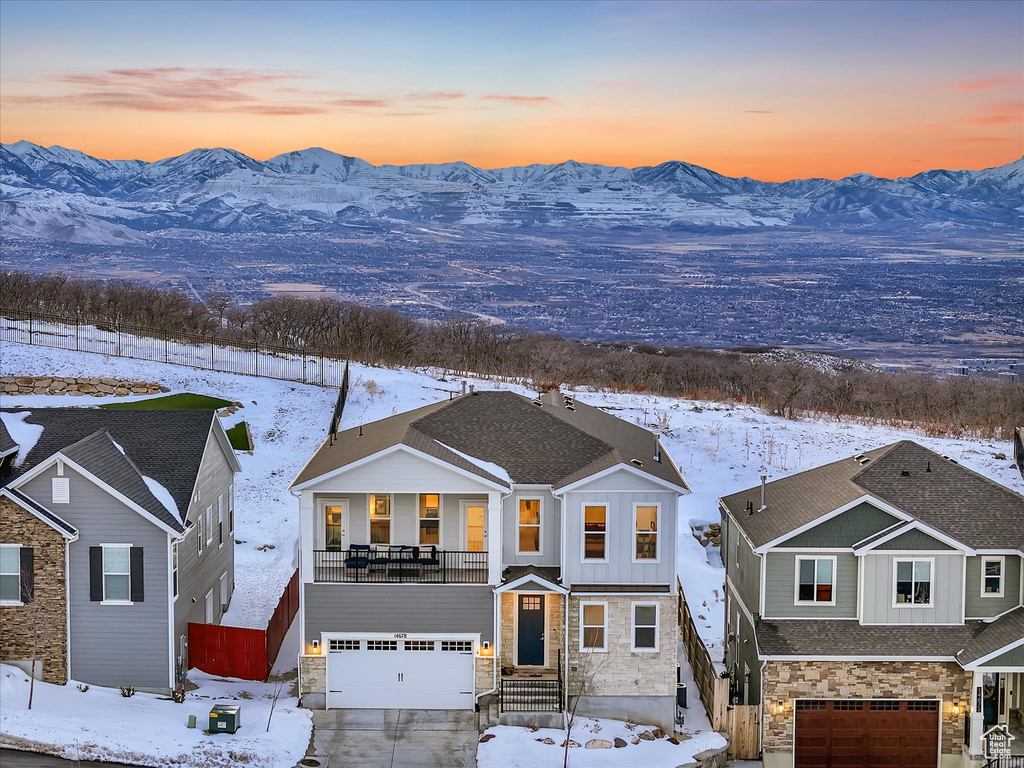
866,734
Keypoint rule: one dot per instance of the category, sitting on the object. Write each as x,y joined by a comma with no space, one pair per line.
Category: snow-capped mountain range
63,194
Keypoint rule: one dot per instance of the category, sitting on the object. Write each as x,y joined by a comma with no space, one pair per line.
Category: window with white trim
117,573
343,645
200,533
231,507
645,626
913,582
10,573
595,531
174,568
593,627
992,576
380,518
220,520
430,519
646,519
529,526
815,580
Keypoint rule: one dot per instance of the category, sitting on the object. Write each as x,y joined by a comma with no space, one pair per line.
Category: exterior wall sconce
956,707
780,707
485,648
316,647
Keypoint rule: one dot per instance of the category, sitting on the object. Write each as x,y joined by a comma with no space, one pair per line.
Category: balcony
364,564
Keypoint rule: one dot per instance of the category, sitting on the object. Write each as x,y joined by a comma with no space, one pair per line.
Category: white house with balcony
491,551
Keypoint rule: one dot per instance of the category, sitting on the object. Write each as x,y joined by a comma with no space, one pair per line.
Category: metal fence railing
157,345
400,564
519,695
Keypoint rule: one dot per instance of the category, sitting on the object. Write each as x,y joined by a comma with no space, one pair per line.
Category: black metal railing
1006,762
399,564
532,694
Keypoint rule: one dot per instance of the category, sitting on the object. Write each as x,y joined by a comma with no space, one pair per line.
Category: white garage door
413,673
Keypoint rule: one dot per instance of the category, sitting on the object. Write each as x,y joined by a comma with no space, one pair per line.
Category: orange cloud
512,99
992,82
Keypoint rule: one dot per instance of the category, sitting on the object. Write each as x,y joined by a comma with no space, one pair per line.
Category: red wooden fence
248,654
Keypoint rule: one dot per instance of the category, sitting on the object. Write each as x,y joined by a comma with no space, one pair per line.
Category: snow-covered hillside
718,447
223,190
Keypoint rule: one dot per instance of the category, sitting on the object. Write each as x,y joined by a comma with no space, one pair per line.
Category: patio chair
426,555
359,556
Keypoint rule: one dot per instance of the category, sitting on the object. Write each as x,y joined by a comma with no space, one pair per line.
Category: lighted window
380,518
913,582
595,531
992,577
529,525
815,579
594,629
332,528
117,572
430,518
646,532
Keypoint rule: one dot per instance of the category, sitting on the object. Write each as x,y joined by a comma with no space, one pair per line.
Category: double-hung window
913,582
220,520
117,580
10,574
200,533
645,626
593,627
529,526
646,518
231,507
380,518
595,532
815,580
209,524
174,568
992,576
430,519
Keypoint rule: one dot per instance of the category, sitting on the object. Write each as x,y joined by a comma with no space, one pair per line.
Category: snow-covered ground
101,724
514,747
718,447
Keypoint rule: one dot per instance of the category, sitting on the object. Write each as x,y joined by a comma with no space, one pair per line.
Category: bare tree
582,683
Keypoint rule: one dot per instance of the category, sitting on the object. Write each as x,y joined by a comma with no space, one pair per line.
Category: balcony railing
399,565
517,694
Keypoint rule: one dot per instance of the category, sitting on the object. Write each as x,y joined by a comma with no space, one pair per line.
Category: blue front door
531,630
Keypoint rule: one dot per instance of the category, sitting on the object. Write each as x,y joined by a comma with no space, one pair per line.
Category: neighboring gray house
132,513
492,551
874,608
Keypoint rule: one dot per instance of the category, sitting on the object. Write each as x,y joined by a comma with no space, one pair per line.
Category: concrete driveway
397,738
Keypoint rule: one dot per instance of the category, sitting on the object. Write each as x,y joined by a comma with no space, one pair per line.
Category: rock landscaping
77,386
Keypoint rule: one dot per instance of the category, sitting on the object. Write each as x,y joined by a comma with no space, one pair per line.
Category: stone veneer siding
48,610
621,671
484,671
556,628
786,680
312,675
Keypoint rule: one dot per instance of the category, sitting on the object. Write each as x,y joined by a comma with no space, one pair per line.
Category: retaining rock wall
69,385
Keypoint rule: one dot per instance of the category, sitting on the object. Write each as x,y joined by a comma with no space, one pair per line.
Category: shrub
127,691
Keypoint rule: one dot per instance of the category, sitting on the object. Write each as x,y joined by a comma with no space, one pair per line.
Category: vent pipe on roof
360,430
764,480
463,386
929,467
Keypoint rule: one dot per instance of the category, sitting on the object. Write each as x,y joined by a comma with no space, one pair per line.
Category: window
529,526
646,532
10,574
913,582
61,490
343,645
992,576
231,507
332,528
815,580
224,592
459,646
117,573
200,533
382,645
595,532
209,524
380,518
220,520
419,645
430,518
593,626
645,626
174,568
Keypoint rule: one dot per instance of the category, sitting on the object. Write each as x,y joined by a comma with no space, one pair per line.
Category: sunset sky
774,89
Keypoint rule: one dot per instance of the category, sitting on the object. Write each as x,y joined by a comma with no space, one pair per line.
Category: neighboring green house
874,610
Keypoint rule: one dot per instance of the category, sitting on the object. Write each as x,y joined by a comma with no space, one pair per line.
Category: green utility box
225,718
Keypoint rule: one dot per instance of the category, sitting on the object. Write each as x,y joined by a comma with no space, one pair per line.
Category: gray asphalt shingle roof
7,444
164,445
936,491
836,637
56,520
996,636
536,441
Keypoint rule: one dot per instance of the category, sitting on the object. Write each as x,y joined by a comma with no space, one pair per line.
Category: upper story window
913,582
117,572
220,520
332,527
10,574
174,568
529,526
430,518
646,517
231,507
200,533
992,576
815,580
593,627
209,524
380,518
645,626
595,532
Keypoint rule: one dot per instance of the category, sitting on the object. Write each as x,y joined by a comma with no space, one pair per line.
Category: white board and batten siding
879,590
550,525
401,472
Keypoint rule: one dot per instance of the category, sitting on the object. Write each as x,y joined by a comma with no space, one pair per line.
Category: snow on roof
162,494
487,466
25,435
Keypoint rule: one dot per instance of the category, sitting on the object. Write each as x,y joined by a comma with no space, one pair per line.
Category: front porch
398,564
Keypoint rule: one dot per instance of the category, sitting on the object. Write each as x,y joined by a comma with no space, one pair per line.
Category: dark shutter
96,574
27,575
137,580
